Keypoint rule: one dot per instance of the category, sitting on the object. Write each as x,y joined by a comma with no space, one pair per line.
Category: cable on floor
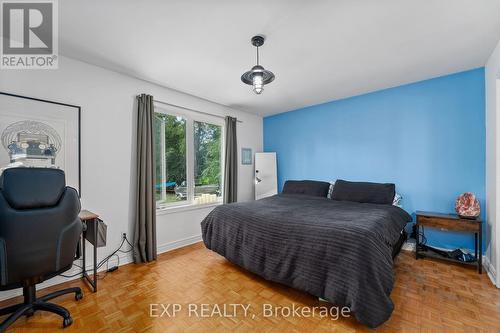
105,260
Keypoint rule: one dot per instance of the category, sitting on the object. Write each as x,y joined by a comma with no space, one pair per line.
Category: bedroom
146,113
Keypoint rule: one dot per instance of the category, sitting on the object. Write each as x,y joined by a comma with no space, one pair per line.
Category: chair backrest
39,225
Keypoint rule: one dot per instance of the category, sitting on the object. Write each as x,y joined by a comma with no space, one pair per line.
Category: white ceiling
320,50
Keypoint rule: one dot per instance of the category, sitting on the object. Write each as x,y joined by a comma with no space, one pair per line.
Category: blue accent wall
427,137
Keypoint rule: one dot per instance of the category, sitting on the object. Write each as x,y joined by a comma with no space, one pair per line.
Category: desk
451,222
89,217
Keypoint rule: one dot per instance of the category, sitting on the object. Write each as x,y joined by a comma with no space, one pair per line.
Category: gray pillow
306,187
364,192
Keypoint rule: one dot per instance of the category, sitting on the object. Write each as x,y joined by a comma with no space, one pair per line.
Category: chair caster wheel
78,296
67,321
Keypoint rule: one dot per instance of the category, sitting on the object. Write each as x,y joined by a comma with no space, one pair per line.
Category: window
170,155
207,160
188,158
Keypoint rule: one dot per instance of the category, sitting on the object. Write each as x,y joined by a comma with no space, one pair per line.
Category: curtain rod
182,107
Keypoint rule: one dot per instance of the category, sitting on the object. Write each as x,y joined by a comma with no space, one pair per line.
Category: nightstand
450,222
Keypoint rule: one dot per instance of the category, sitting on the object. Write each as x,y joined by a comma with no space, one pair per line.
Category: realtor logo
29,34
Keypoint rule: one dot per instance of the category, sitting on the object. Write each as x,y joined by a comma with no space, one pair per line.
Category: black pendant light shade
258,76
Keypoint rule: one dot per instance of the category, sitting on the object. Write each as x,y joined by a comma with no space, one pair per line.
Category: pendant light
257,76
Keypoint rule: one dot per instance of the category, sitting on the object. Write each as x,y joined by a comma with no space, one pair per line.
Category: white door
266,180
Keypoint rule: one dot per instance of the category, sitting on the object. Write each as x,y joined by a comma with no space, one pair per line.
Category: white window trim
171,209
190,117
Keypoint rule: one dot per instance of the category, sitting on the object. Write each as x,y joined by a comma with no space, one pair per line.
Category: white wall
492,70
108,153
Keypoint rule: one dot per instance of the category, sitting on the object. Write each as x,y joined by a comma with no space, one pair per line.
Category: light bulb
257,79
258,86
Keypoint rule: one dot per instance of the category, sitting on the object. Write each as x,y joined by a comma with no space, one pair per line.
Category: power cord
105,260
421,236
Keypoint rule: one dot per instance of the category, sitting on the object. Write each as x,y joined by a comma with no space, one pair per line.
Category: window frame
190,117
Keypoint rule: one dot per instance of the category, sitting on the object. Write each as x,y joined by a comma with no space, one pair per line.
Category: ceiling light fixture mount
258,76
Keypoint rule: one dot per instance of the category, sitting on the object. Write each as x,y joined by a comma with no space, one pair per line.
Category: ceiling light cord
257,55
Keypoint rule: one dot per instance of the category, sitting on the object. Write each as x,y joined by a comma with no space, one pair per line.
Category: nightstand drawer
448,224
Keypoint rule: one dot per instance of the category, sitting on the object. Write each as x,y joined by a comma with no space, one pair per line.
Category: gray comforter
336,250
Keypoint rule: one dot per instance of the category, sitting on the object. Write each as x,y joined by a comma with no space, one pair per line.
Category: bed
341,251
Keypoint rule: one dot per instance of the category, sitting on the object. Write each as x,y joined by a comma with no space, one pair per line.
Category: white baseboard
178,244
490,270
124,258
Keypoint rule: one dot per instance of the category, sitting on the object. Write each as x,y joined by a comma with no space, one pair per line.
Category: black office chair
39,232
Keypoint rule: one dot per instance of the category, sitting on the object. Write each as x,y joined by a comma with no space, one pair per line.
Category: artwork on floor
246,156
40,133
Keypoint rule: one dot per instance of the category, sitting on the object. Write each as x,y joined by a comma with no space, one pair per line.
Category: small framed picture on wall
246,156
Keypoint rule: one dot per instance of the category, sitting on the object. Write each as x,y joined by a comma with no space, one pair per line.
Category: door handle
257,179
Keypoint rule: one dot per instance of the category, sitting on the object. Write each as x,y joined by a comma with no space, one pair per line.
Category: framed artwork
40,133
246,156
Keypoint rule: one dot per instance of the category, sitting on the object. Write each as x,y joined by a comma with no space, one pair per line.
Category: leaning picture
40,133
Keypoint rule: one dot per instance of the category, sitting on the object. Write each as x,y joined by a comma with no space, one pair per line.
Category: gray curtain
231,162
145,219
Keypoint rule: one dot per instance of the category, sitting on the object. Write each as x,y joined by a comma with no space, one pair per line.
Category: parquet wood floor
429,296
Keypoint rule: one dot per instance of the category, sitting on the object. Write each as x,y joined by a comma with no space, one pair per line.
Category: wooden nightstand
450,222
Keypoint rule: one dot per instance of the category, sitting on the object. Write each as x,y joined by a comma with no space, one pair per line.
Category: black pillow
306,187
364,192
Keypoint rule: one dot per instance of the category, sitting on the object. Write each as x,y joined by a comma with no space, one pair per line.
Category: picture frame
37,132
246,156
